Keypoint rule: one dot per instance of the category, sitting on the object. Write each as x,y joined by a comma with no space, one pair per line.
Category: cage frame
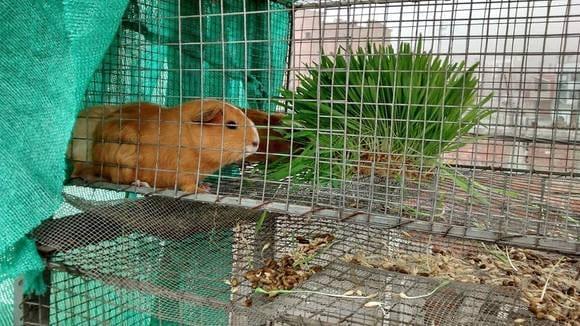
359,216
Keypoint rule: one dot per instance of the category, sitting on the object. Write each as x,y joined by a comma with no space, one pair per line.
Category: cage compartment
171,257
124,262
143,65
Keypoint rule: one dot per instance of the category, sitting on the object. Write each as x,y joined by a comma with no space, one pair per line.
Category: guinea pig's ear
258,117
276,118
207,112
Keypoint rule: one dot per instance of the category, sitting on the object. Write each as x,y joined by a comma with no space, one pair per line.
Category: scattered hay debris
527,270
292,269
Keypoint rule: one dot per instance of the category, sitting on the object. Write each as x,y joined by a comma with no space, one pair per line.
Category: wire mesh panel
131,259
210,265
364,125
454,114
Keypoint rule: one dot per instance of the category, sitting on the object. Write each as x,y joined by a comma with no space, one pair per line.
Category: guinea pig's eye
232,125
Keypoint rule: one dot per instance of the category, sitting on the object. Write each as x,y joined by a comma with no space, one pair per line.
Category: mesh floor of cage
173,260
542,212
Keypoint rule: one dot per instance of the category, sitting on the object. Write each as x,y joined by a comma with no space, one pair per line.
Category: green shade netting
55,54
49,52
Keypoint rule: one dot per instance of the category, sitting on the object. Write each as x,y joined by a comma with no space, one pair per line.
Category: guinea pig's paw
139,183
204,187
190,188
201,189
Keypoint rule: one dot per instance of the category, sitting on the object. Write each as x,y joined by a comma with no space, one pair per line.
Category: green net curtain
49,52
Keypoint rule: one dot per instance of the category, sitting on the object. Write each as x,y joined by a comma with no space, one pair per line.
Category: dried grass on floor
548,283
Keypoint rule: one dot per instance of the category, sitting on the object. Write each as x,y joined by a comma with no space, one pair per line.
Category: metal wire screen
139,268
405,126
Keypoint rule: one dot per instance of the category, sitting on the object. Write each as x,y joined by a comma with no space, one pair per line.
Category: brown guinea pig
271,141
143,143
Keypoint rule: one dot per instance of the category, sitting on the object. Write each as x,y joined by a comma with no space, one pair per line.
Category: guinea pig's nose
255,144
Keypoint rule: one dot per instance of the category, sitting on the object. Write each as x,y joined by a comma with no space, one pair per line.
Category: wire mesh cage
140,269
303,162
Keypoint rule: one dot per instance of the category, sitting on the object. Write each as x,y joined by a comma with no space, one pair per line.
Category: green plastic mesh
52,50
48,55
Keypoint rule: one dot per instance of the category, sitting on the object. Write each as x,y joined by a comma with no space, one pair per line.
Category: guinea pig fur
272,143
163,147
